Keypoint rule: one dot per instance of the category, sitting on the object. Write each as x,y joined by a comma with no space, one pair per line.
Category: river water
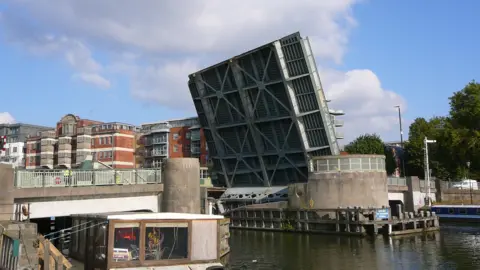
454,247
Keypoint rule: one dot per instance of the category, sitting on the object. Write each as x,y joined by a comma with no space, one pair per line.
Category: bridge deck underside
260,120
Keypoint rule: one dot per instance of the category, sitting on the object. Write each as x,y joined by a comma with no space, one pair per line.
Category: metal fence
423,184
397,181
460,185
9,252
57,178
345,164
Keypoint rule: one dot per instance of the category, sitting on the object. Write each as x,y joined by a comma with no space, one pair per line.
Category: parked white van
466,184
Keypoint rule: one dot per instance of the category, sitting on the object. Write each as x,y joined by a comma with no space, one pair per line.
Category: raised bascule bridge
265,115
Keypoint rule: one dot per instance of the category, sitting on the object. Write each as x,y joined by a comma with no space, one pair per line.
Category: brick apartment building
173,139
15,136
73,139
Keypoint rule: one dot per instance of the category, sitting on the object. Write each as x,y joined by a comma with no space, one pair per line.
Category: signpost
381,214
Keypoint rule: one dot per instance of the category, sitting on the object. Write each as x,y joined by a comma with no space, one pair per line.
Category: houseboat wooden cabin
149,240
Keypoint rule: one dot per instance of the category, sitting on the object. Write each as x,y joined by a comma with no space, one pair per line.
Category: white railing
348,163
397,181
423,184
57,178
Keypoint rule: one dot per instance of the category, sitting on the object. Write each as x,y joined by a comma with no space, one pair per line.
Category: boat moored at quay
463,213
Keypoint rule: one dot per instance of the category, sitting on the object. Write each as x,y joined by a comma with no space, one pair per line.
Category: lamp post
427,168
401,139
468,172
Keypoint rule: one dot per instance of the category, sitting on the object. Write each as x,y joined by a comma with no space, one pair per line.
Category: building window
175,148
175,136
186,149
165,241
187,135
102,140
127,239
14,150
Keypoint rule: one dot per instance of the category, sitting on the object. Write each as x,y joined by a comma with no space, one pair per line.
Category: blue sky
421,51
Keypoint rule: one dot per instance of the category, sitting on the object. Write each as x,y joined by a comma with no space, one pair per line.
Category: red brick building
67,146
173,139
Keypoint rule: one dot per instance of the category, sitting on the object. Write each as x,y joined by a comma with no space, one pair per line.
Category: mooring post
337,220
348,219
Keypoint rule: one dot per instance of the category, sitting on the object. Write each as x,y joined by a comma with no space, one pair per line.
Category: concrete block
181,190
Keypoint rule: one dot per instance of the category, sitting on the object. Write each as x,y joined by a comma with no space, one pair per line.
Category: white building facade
13,154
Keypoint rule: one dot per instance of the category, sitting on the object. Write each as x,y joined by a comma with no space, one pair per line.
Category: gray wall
24,130
181,180
342,189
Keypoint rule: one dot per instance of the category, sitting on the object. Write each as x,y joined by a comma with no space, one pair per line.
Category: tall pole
401,140
427,170
468,178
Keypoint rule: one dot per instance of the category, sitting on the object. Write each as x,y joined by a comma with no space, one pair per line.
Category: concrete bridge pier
6,191
181,186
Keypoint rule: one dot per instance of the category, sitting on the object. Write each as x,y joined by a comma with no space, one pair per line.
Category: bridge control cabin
134,240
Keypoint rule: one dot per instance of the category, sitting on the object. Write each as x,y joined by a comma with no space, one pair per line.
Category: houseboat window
166,241
74,237
451,211
126,242
437,210
82,238
462,211
478,211
100,244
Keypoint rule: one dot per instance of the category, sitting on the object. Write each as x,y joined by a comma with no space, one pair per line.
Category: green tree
414,148
367,144
457,136
371,144
463,134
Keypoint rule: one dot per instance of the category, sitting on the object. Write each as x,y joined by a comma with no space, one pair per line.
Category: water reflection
455,247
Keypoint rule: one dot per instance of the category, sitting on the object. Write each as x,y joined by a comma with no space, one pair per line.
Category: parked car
466,184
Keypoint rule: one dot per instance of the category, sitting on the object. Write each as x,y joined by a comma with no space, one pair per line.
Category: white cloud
93,78
6,118
156,44
369,108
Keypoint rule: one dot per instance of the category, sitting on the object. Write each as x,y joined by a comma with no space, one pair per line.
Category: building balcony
47,148
84,145
195,137
159,141
339,135
47,142
84,131
64,147
49,134
158,153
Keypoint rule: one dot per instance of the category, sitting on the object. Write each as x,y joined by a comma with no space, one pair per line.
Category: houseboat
457,212
149,240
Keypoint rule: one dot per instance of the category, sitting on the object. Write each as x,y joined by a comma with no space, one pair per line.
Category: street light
401,139
427,168
467,177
